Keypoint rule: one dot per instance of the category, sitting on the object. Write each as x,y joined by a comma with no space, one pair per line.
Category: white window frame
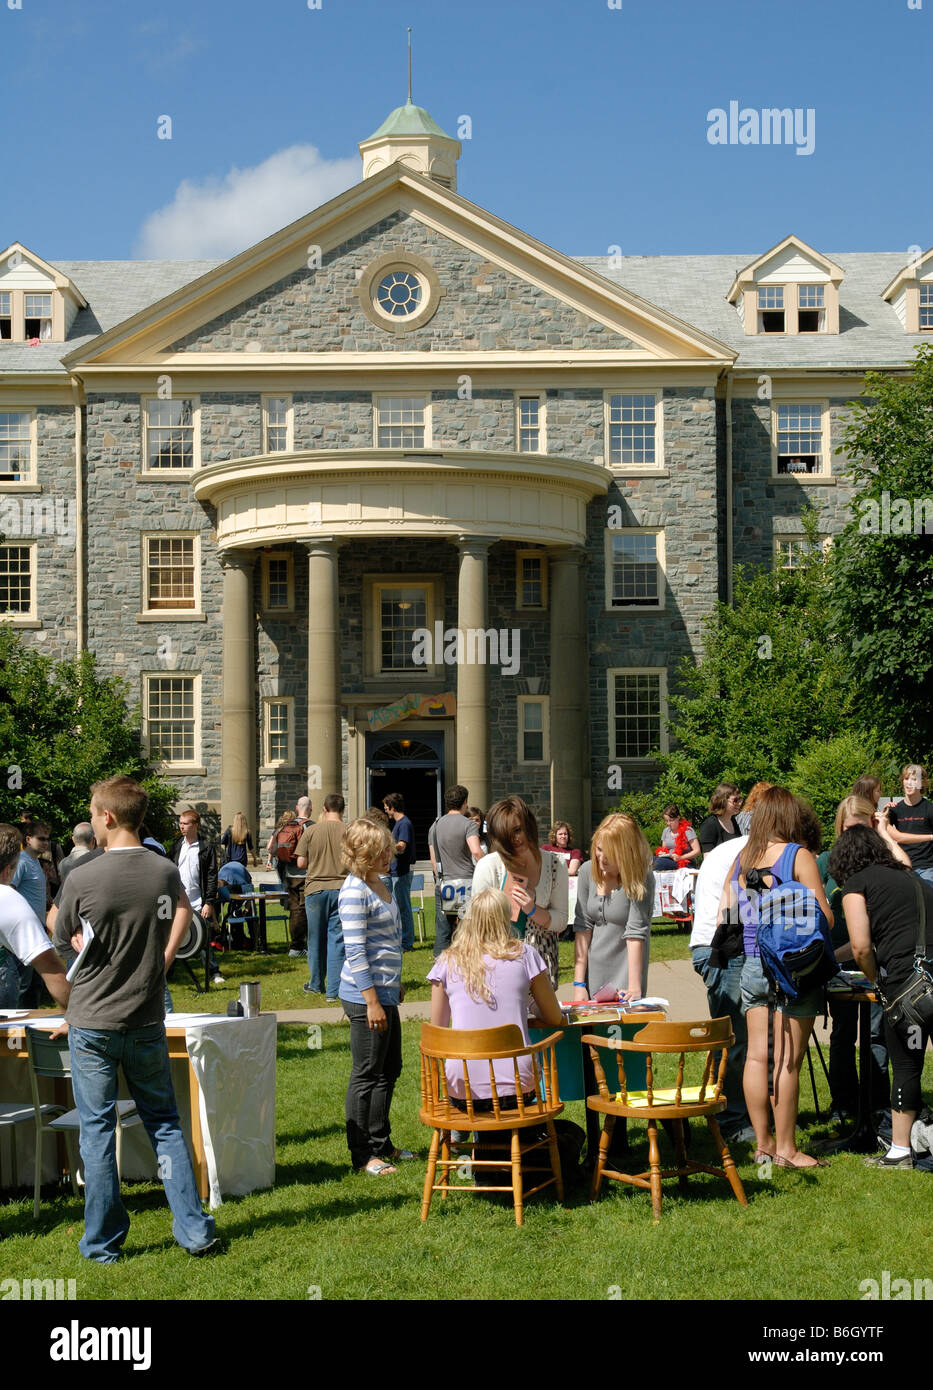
544,701
195,678
795,538
374,584
635,469
289,760
529,553
660,549
785,291
826,453
25,480
424,397
172,614
17,313
31,617
289,421
152,473
925,288
819,309
8,295
267,557
612,675
541,398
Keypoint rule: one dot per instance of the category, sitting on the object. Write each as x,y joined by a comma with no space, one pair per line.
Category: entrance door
414,767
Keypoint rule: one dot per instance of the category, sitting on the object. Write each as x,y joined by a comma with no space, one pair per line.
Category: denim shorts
756,993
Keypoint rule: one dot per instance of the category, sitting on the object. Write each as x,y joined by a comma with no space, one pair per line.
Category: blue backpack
793,932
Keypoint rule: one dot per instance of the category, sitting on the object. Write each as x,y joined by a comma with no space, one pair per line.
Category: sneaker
297,955
218,979
882,1161
213,1247
745,1135
334,1001
307,988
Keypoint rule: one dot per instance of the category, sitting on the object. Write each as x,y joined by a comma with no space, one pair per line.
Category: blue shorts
756,991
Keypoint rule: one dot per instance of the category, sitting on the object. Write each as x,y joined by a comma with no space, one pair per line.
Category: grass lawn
805,1235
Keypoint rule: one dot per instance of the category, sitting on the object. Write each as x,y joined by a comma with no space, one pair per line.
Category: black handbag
913,1007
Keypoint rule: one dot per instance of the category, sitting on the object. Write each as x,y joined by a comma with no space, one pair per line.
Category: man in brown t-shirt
320,854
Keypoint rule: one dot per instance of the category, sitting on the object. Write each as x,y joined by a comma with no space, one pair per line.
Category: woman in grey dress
615,899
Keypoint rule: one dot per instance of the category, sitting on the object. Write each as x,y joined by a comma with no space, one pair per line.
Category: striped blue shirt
372,936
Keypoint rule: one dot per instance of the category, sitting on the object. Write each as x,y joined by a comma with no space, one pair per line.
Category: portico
329,501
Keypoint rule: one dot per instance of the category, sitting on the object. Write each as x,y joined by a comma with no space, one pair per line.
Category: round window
399,294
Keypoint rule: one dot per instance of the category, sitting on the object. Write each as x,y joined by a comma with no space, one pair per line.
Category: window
926,307
799,439
277,424
791,551
6,317
401,611
399,294
771,309
533,729
17,445
171,574
279,732
278,581
530,579
171,435
37,311
633,431
171,720
810,310
400,422
637,713
529,424
17,587
635,569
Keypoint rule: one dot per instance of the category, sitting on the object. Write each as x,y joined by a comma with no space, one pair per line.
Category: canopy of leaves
882,592
63,727
824,771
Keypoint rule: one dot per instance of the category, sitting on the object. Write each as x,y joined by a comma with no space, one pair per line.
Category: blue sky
589,124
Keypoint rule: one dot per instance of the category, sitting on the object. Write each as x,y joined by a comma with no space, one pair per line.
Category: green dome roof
408,120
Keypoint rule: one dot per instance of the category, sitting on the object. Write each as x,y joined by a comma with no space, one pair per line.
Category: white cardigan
551,893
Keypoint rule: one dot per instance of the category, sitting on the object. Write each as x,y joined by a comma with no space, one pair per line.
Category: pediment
293,298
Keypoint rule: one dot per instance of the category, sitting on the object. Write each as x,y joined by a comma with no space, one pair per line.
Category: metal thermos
249,998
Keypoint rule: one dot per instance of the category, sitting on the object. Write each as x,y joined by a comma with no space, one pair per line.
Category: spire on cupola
412,137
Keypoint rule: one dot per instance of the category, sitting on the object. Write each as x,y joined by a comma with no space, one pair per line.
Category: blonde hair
621,840
918,771
364,846
485,930
851,806
239,829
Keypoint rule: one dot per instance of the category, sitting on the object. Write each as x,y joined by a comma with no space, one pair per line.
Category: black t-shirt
916,820
891,899
711,833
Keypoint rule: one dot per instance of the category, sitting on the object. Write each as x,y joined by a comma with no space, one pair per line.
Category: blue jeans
926,874
444,926
325,941
9,980
143,1055
401,888
724,992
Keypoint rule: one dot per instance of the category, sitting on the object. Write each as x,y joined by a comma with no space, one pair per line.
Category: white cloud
221,216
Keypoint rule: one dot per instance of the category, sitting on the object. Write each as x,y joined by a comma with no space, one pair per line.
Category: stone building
271,492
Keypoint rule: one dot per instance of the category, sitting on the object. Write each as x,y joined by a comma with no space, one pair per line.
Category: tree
63,727
882,592
823,772
772,679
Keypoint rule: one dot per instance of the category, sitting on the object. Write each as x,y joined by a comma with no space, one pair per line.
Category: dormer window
811,306
926,308
37,314
771,309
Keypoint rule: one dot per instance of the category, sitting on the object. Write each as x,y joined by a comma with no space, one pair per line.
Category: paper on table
88,935
13,1013
49,1023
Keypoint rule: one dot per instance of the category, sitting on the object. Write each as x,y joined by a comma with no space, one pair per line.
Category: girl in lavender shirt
482,981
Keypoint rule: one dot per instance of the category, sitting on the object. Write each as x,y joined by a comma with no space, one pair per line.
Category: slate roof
693,288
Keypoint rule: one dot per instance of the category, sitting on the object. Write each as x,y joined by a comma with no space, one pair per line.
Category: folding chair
417,886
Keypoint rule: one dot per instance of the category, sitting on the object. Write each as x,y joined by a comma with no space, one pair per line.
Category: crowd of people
501,905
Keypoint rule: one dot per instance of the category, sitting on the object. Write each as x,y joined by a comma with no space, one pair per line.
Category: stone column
473,766
238,692
324,737
568,704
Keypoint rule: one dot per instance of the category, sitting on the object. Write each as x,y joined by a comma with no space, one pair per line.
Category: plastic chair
50,1057
417,886
13,1113
676,1103
504,1114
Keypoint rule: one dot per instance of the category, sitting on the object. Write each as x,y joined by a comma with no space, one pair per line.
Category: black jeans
843,1077
377,1065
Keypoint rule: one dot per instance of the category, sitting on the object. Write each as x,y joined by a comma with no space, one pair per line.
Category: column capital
327,546
474,545
237,560
566,554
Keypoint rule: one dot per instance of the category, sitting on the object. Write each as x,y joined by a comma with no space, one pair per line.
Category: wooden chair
50,1057
482,1047
676,1103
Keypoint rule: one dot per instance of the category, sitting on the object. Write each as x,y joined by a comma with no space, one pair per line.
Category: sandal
786,1162
378,1168
762,1156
